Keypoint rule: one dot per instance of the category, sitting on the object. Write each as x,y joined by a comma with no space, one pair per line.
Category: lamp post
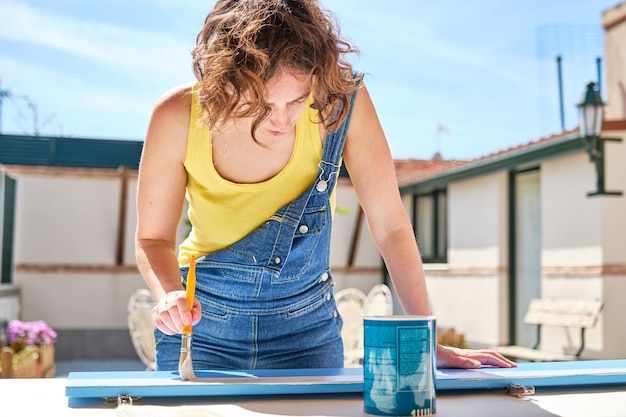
590,116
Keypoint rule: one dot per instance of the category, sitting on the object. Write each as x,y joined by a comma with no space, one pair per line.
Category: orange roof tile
410,171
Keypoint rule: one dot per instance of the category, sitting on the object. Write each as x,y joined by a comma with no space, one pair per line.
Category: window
430,220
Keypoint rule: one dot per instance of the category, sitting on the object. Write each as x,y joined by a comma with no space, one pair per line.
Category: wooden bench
569,313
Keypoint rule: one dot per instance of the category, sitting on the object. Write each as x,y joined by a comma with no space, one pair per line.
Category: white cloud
104,43
73,106
406,29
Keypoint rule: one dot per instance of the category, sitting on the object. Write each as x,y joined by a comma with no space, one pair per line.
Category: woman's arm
160,197
370,165
372,172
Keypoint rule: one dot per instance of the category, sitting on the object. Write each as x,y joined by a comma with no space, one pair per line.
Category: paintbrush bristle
185,365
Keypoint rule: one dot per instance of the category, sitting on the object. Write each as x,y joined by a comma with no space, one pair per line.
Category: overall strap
333,149
326,179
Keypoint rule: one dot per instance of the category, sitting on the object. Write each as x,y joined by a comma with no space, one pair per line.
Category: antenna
441,129
559,74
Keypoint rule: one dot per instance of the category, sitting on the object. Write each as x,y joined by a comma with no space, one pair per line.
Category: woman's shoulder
169,122
176,99
172,110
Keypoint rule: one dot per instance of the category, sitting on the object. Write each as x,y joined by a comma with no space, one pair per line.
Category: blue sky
462,78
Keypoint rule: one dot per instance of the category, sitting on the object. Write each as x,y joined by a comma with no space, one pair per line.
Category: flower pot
19,365
46,367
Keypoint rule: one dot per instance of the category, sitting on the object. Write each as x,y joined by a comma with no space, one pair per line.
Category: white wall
344,225
470,296
367,262
66,219
614,59
614,248
470,304
75,301
612,322
65,248
614,208
477,219
571,221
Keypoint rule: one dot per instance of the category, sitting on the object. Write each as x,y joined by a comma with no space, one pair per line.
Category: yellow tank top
222,212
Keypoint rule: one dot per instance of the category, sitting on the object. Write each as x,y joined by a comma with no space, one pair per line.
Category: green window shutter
7,199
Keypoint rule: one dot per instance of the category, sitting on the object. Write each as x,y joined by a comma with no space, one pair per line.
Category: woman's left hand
451,357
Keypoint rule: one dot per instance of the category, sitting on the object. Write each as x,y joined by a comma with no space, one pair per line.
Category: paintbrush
185,366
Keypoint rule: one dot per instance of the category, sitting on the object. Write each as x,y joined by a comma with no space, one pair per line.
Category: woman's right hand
172,312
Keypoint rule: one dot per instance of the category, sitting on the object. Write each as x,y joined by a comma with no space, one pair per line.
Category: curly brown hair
243,43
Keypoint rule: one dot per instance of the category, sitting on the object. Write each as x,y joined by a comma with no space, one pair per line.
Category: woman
255,146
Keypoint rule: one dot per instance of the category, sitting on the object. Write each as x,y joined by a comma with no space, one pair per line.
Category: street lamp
590,117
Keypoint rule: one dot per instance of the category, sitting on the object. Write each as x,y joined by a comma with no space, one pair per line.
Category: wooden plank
560,319
89,388
564,312
537,374
159,384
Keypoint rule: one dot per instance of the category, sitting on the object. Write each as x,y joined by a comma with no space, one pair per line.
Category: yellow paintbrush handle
191,289
191,281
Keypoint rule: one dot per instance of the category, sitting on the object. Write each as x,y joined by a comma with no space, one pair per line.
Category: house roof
409,171
416,175
69,152
439,173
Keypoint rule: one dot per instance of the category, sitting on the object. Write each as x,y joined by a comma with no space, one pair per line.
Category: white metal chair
141,326
379,301
351,304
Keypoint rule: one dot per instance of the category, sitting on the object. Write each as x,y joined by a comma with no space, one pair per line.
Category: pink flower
30,332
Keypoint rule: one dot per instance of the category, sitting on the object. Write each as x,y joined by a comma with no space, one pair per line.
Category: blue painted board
538,374
160,384
213,383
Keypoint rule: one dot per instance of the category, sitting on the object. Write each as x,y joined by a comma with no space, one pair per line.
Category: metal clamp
122,399
518,390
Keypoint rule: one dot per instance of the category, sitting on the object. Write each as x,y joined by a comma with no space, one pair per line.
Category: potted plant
31,340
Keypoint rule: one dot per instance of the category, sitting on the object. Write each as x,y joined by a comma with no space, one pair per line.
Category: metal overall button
321,186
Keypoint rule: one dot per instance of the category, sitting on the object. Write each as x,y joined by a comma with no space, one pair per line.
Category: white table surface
40,397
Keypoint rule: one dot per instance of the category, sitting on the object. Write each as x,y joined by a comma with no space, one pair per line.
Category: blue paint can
399,365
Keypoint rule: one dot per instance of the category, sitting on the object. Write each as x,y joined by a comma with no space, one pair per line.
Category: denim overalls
267,300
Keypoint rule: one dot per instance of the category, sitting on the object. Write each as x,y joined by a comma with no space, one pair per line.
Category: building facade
520,224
